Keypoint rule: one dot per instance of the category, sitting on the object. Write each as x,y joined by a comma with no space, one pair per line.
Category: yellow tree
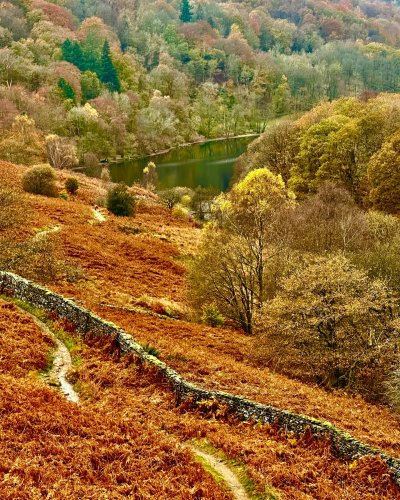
384,176
231,268
23,143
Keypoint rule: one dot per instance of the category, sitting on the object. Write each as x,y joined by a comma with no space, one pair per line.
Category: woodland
129,77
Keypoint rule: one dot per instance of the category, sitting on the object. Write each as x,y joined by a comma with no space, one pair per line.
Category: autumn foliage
127,432
127,436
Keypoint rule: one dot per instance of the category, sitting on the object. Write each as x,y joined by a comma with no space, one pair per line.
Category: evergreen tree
72,52
186,12
66,89
109,75
200,14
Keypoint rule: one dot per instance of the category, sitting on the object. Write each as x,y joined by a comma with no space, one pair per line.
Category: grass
218,478
126,434
150,349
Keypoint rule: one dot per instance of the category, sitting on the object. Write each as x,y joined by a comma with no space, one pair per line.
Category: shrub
150,349
105,175
90,160
72,185
211,316
180,212
173,196
40,179
36,259
61,153
120,201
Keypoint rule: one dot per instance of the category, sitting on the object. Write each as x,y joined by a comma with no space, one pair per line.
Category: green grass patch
152,350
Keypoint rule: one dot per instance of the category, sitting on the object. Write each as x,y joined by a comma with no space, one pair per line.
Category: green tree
90,85
72,52
66,90
186,12
281,99
109,74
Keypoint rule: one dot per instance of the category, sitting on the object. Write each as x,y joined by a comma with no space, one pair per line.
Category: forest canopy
134,77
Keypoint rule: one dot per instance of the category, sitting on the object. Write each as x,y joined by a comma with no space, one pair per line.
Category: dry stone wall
84,321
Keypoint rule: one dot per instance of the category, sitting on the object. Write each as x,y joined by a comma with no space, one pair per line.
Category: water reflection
208,165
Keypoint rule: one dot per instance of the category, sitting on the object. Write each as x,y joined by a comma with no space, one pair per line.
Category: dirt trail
98,215
58,376
62,363
48,230
230,478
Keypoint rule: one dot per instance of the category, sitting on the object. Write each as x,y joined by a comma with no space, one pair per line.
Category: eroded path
61,364
226,473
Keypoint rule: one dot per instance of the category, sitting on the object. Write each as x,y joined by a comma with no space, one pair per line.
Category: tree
202,202
208,107
150,176
66,89
186,12
90,85
61,153
231,268
384,176
281,100
276,149
109,75
328,221
332,325
72,52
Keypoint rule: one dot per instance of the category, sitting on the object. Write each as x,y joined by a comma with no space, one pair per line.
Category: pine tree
72,52
186,12
66,89
109,75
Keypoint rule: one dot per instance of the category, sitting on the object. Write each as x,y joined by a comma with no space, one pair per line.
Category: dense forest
84,80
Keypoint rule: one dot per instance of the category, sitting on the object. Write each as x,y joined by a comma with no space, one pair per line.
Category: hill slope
109,267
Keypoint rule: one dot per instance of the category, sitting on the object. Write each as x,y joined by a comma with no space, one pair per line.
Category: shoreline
165,151
179,146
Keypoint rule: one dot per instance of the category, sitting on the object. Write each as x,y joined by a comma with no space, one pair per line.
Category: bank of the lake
207,164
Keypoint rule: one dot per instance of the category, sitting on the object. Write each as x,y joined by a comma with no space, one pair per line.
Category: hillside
127,269
82,81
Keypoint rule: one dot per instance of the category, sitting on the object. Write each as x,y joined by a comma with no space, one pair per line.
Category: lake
209,164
